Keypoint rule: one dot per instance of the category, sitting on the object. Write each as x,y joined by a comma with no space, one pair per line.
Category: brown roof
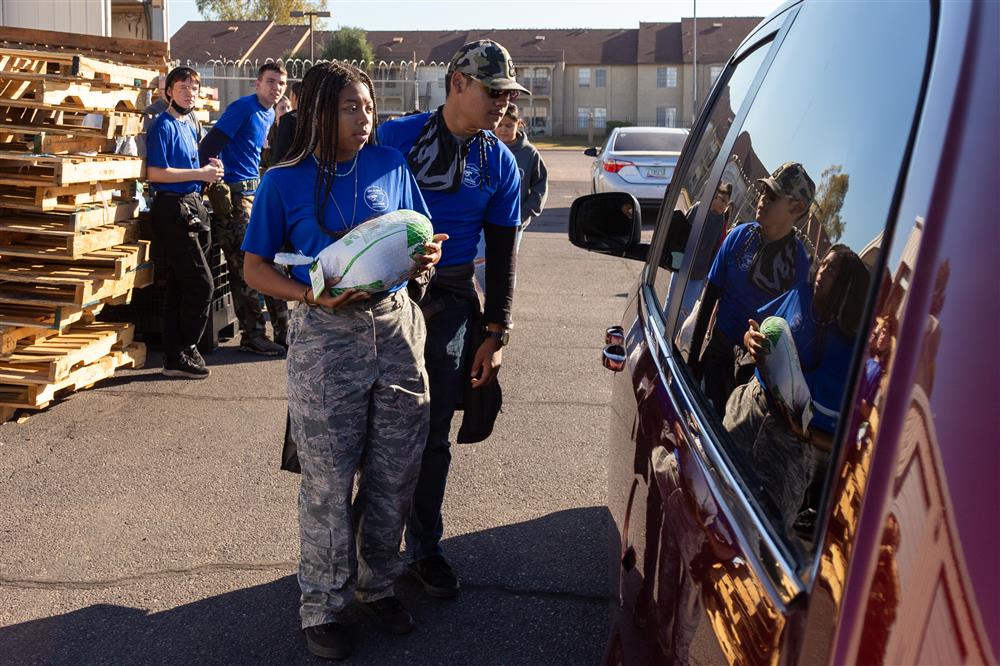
198,41
280,40
575,46
718,38
659,42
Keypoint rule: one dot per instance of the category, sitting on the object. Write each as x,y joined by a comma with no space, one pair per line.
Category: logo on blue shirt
376,198
471,176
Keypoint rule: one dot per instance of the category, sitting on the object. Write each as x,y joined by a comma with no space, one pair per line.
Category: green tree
830,196
278,11
348,44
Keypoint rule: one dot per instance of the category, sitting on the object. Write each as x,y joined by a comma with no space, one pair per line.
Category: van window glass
643,141
705,152
773,309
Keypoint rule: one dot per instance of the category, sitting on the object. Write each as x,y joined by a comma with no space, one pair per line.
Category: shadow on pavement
533,593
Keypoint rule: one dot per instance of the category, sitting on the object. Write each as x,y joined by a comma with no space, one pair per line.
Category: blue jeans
447,334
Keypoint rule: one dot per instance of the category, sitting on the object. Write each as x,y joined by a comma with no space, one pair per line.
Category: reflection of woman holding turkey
823,321
357,388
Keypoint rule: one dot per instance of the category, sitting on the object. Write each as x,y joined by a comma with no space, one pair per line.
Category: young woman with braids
357,386
824,320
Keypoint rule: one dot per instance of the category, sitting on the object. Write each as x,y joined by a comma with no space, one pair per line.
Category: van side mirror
590,152
609,223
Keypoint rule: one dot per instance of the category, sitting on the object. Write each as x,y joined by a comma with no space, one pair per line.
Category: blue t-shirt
730,272
173,144
284,207
825,355
462,214
245,122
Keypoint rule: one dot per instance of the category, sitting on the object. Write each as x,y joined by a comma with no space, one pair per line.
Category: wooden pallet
23,391
65,91
51,359
75,220
40,170
110,263
61,198
25,116
23,317
71,65
80,293
50,239
148,54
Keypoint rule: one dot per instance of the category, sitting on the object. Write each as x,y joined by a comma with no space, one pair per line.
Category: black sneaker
390,614
329,641
184,365
261,345
196,356
436,576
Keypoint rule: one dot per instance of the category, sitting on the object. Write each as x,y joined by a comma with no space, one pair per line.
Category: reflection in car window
705,153
769,332
639,140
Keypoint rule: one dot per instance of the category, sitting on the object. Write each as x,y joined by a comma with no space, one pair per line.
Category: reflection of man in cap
471,185
757,262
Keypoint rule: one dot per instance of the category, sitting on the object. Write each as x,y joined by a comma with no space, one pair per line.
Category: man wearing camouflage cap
471,185
757,262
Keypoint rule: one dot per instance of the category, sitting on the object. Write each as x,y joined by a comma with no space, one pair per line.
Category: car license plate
656,172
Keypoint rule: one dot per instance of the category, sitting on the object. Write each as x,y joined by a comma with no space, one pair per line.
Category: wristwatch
502,337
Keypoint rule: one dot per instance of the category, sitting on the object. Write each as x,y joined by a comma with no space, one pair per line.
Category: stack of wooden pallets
69,241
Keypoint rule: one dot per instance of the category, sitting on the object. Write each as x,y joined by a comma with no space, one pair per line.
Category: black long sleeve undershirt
501,265
211,145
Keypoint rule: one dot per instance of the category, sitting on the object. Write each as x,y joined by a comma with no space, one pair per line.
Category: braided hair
319,124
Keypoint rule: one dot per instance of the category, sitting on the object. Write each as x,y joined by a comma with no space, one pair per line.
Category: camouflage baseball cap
487,62
791,180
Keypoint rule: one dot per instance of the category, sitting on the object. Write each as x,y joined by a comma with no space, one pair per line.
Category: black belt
167,194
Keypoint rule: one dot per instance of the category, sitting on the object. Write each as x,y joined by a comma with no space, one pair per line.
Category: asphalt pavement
146,521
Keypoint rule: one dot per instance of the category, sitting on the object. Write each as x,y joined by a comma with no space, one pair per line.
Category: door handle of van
613,357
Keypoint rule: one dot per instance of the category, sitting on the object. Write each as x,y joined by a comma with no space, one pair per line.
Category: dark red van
805,423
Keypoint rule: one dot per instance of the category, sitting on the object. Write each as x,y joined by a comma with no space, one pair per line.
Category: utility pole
694,109
311,15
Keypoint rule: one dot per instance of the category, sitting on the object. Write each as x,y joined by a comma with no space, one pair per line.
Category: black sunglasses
511,95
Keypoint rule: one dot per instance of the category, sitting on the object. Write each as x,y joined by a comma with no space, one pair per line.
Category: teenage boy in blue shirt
180,224
471,184
237,139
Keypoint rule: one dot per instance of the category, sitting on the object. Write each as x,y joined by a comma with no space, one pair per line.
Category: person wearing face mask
471,184
238,139
180,224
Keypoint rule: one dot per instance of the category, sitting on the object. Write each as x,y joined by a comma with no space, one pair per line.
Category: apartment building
580,78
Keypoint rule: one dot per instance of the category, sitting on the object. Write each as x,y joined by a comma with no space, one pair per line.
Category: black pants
724,367
180,227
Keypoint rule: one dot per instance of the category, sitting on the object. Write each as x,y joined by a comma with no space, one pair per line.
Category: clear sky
464,14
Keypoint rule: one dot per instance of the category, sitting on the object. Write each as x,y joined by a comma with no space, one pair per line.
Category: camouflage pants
228,234
782,464
359,404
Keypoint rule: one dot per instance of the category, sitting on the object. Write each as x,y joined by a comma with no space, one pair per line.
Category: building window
600,117
713,73
583,77
666,77
582,117
600,78
666,116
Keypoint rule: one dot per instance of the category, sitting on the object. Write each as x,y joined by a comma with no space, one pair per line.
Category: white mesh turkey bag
782,371
374,256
